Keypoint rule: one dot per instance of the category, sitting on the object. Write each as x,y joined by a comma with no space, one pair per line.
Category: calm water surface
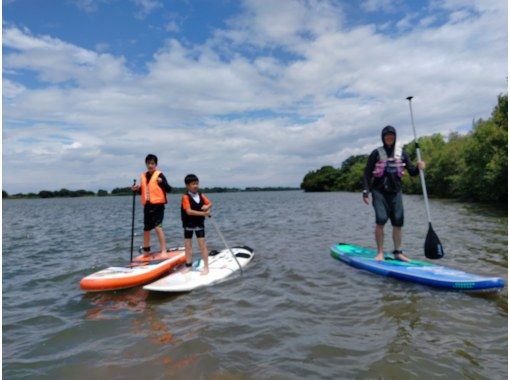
297,313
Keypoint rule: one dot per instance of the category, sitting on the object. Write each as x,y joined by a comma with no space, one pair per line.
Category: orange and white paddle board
144,268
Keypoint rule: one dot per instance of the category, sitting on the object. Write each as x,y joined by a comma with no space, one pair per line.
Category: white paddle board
221,266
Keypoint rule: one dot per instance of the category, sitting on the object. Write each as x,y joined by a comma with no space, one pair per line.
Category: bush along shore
121,191
470,167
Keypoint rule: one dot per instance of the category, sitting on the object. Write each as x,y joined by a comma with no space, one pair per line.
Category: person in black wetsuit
153,188
383,178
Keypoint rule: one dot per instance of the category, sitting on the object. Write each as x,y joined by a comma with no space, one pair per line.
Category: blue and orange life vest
151,192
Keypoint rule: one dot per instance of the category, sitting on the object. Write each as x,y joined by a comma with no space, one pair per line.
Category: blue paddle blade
433,247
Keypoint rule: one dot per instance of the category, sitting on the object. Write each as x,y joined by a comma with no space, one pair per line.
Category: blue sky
124,28
243,93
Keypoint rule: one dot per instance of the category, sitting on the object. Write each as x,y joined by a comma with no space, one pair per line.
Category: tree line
62,193
121,191
471,166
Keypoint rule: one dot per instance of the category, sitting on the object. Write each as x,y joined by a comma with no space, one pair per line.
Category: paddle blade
433,247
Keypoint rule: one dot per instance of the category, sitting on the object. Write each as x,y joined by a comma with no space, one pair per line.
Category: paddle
225,243
133,222
433,247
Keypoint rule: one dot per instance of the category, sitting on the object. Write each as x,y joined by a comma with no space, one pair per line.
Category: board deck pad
417,271
221,266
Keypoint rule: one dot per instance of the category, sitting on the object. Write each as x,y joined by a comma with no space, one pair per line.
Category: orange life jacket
151,192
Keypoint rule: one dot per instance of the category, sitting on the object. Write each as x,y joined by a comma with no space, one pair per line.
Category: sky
240,93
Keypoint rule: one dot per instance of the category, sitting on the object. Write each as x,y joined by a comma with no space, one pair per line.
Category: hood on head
386,130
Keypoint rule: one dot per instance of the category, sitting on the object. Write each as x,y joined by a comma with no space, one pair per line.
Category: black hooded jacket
389,183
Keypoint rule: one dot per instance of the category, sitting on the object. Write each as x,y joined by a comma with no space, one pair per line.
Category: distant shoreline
125,191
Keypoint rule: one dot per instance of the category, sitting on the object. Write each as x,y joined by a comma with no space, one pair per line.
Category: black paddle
433,247
133,223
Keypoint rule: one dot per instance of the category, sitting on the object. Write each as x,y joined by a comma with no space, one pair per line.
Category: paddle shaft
225,243
418,154
133,223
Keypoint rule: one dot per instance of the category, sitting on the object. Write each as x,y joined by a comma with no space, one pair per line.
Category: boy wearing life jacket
153,188
383,178
194,208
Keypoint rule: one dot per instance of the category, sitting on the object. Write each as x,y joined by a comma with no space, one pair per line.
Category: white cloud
90,6
87,5
172,26
146,7
285,24
407,22
56,61
427,21
387,6
102,47
11,89
236,111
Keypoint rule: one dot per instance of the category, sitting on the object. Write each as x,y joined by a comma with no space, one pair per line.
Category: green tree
486,157
64,193
102,193
83,193
352,179
122,191
351,174
500,112
46,194
323,179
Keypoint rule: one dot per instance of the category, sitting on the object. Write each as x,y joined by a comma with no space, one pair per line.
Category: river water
296,313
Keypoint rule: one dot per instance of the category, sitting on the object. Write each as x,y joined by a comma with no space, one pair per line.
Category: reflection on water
296,312
106,305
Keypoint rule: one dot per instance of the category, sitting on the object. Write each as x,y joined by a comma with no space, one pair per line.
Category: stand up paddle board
143,269
417,271
221,266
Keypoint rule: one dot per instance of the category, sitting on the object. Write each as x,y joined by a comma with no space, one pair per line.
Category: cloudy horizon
251,93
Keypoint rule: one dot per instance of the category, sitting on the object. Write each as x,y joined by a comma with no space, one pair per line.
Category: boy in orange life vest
153,188
194,208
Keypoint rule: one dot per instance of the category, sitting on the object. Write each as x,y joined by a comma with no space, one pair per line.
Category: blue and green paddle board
417,271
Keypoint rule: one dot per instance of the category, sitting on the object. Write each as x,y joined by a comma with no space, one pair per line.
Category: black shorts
199,232
153,216
388,205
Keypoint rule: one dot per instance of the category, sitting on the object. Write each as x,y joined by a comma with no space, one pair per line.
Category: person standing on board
383,178
153,188
194,208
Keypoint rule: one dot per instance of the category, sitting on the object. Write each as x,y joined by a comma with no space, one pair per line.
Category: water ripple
296,312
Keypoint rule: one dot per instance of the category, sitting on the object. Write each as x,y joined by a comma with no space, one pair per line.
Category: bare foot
204,272
379,257
185,270
401,257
